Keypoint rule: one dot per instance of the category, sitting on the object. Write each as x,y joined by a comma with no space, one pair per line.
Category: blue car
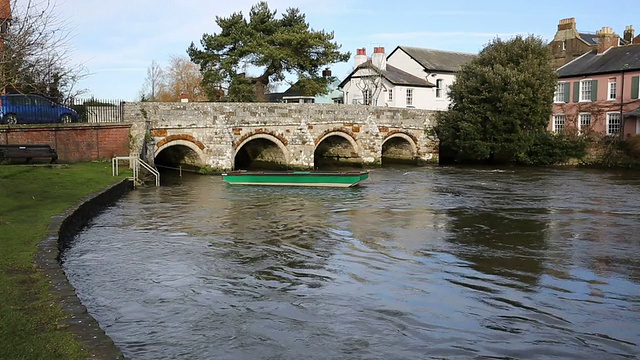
33,109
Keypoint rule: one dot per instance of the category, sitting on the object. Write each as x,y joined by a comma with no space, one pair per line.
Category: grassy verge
29,197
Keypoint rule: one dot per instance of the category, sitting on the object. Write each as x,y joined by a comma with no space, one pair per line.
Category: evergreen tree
500,102
275,47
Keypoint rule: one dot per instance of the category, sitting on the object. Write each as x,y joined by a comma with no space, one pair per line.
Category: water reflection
496,244
418,263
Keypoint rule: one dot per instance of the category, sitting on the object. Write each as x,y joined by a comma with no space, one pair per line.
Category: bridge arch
336,147
260,149
399,147
179,152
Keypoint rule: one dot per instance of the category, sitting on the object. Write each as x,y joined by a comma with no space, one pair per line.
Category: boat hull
296,178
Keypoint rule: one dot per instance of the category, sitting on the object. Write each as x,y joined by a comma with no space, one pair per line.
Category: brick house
569,43
599,90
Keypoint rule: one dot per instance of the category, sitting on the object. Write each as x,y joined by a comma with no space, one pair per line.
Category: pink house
599,91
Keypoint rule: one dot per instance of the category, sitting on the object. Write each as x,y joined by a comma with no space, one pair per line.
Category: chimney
379,59
326,73
606,39
5,17
628,34
361,57
567,24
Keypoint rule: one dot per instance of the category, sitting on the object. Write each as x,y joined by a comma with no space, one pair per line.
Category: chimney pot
378,59
629,33
567,24
606,39
361,57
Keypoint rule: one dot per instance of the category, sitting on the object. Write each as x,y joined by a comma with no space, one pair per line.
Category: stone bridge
224,136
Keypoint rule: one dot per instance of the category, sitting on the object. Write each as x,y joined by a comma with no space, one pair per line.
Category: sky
116,41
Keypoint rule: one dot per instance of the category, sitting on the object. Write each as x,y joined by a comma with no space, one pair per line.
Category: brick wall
73,142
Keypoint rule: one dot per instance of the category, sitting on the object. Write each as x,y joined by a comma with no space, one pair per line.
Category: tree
272,47
500,102
180,77
370,83
35,55
152,82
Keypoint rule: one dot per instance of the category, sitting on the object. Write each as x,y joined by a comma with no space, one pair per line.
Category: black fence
97,111
36,109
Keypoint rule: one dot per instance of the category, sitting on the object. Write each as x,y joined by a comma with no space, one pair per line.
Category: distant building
569,43
294,95
599,90
409,77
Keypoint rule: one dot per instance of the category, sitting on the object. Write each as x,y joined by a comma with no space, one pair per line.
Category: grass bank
29,197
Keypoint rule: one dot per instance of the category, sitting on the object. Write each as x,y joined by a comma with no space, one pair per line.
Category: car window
19,100
40,101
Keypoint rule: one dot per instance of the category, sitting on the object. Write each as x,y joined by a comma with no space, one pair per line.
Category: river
418,263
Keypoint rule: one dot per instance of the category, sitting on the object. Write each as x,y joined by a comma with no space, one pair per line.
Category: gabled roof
614,60
391,74
437,60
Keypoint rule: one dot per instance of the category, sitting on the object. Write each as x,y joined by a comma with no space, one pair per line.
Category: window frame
554,126
439,88
390,94
366,97
559,85
409,96
582,92
580,124
613,84
608,122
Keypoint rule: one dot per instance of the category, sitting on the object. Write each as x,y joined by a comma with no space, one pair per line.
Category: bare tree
183,78
35,53
153,83
371,83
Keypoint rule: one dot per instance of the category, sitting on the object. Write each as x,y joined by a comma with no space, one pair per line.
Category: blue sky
117,40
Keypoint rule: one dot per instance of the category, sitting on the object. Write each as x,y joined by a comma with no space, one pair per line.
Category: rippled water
418,263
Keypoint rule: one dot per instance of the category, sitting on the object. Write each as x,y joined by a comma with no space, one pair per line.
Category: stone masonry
216,131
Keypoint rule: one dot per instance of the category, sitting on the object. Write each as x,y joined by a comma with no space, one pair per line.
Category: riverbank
40,316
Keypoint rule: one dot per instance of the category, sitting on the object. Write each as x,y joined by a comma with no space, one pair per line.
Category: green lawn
29,197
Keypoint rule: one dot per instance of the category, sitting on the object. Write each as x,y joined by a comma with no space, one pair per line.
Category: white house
409,77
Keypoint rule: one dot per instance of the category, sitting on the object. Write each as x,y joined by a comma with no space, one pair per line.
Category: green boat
296,178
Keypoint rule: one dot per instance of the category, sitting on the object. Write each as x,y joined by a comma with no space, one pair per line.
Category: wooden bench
28,152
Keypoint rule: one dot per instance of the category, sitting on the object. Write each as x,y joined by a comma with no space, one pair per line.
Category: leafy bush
548,148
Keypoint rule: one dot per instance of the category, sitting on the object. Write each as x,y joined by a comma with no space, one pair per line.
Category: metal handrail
136,163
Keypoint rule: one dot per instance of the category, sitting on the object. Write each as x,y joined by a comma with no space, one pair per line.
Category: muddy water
419,263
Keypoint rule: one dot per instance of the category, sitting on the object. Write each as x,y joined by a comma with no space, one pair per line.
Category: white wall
404,62
423,98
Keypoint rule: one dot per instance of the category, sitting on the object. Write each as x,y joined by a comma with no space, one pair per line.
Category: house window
584,122
409,97
367,97
439,88
559,96
585,90
613,88
390,92
558,122
613,123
